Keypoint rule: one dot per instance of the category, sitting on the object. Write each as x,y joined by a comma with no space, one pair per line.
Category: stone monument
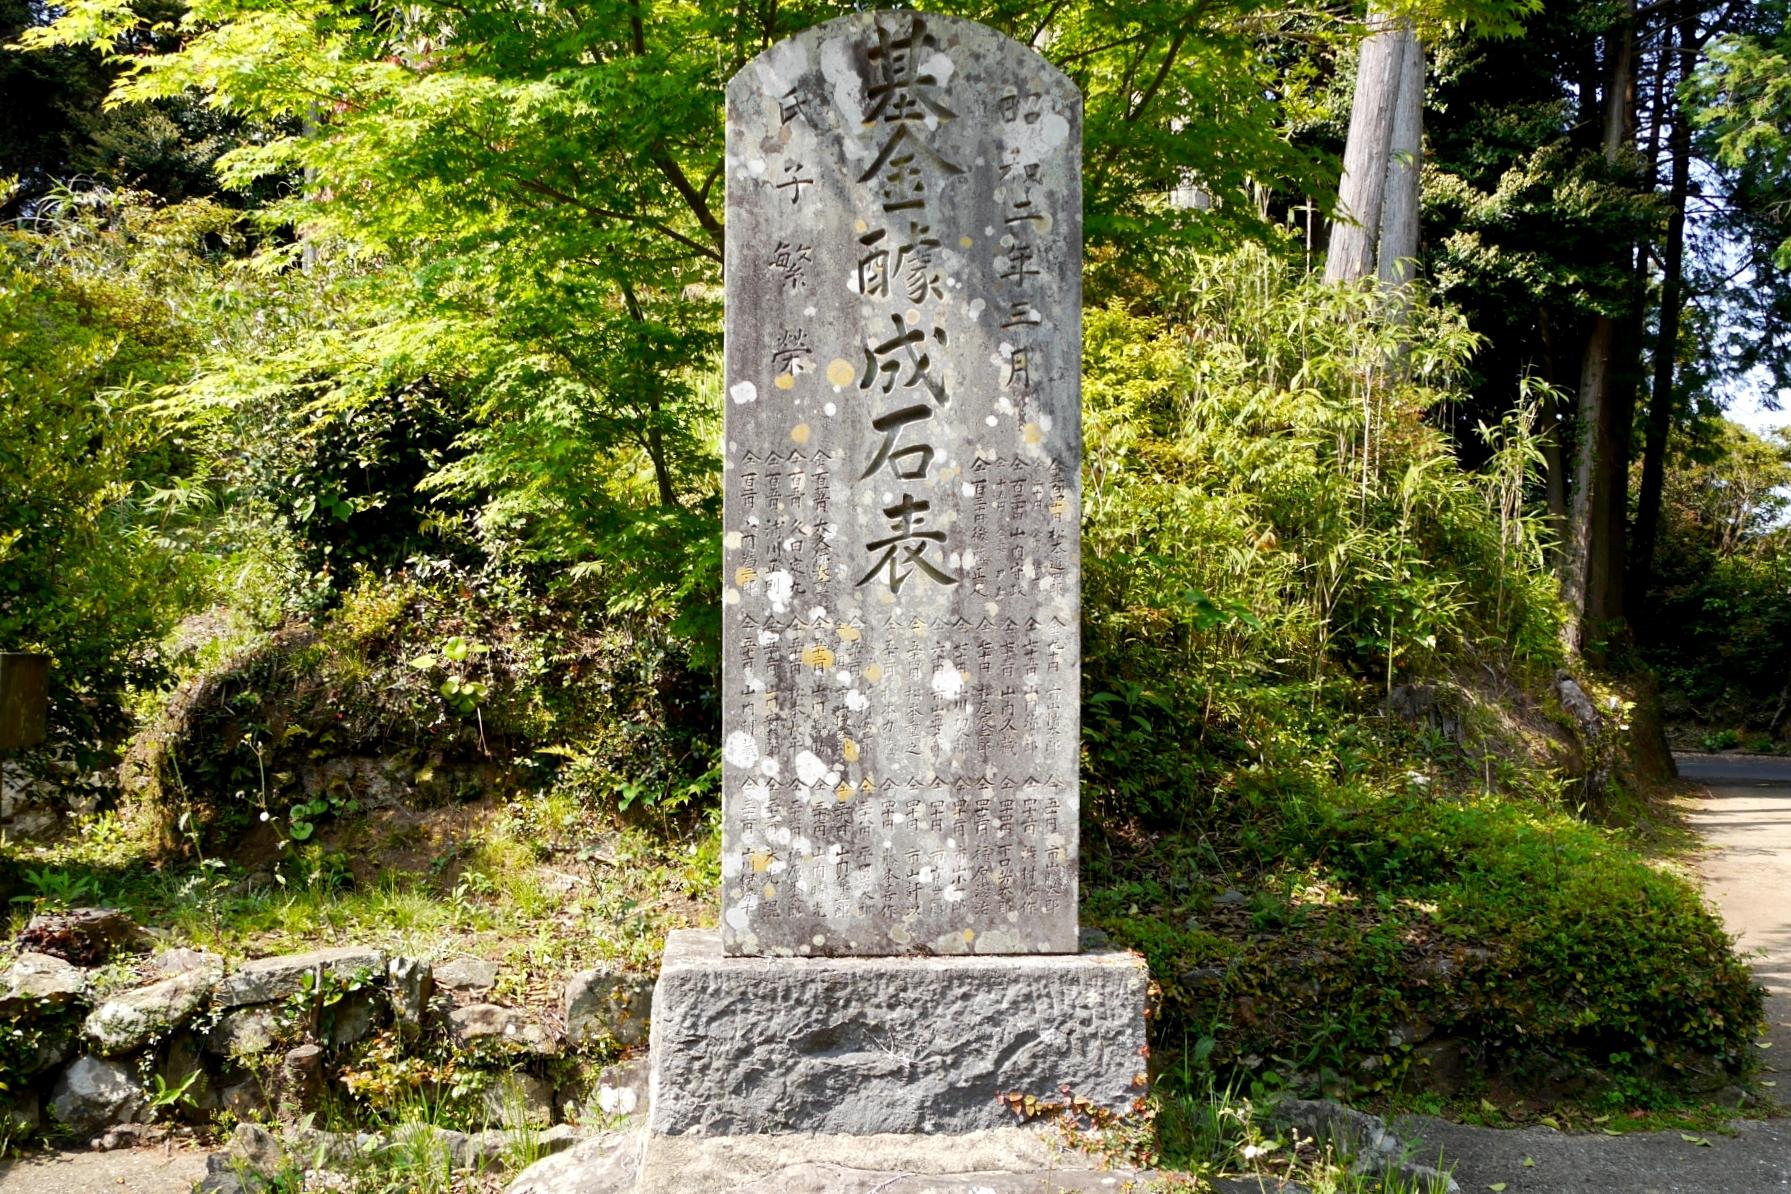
901,603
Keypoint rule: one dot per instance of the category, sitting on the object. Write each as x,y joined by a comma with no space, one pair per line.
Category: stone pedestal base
856,1046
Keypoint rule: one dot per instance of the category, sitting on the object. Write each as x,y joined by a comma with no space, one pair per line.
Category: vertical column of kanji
777,489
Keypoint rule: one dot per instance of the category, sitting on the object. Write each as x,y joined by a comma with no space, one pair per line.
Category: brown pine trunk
1661,403
1592,555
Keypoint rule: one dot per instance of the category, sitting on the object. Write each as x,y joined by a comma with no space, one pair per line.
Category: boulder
245,1032
92,1094
180,960
608,1004
354,1017
622,1089
409,984
518,1100
489,1026
84,936
302,1080
494,1148
267,980
470,976
36,980
604,1164
127,1022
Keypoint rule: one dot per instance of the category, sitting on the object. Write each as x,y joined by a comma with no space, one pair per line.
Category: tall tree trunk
1356,231
1661,403
1591,559
1405,161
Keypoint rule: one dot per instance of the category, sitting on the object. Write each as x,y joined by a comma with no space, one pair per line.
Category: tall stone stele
902,594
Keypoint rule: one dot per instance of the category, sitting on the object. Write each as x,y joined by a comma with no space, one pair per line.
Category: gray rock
355,1017
409,984
126,1022
255,1147
223,1176
622,1090
84,936
301,1085
470,976
517,1100
267,980
1231,897
93,1094
426,1146
180,1063
608,1003
868,477
1373,1147
863,1045
1001,1161
313,1148
607,1163
489,1026
180,960
128,1136
20,1114
36,980
245,1099
245,1032
496,1148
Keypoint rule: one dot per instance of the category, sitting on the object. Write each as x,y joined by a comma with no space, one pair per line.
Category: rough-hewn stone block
865,1045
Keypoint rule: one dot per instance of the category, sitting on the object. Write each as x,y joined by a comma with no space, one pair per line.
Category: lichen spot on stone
784,381
839,371
798,433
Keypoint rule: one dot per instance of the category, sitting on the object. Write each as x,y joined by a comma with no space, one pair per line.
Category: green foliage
1293,595
1722,571
90,568
1745,94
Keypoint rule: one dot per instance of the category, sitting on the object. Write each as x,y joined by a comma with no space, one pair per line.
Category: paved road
1745,815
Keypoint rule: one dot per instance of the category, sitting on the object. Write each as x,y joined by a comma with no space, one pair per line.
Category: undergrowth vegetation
1328,788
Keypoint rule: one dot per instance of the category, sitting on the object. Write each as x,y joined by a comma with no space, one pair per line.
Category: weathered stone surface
622,1089
901,568
862,1045
180,960
355,1016
127,1021
93,1093
35,980
20,1114
268,979
84,936
472,976
487,1025
608,1003
605,1164
518,1100
244,1032
409,985
301,1081
1005,1161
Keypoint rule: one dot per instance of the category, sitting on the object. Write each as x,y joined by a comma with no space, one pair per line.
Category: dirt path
128,1171
1746,818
